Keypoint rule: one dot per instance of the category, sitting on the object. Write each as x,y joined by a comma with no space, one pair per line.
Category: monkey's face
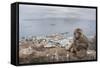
77,35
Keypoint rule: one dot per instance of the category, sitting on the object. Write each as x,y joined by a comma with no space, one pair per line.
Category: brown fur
80,44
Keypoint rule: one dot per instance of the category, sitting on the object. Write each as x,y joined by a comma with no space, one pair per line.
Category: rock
55,37
23,53
92,45
91,54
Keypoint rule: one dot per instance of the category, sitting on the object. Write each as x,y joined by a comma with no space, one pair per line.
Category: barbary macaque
80,44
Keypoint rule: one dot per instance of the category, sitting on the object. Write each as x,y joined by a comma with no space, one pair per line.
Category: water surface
46,20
